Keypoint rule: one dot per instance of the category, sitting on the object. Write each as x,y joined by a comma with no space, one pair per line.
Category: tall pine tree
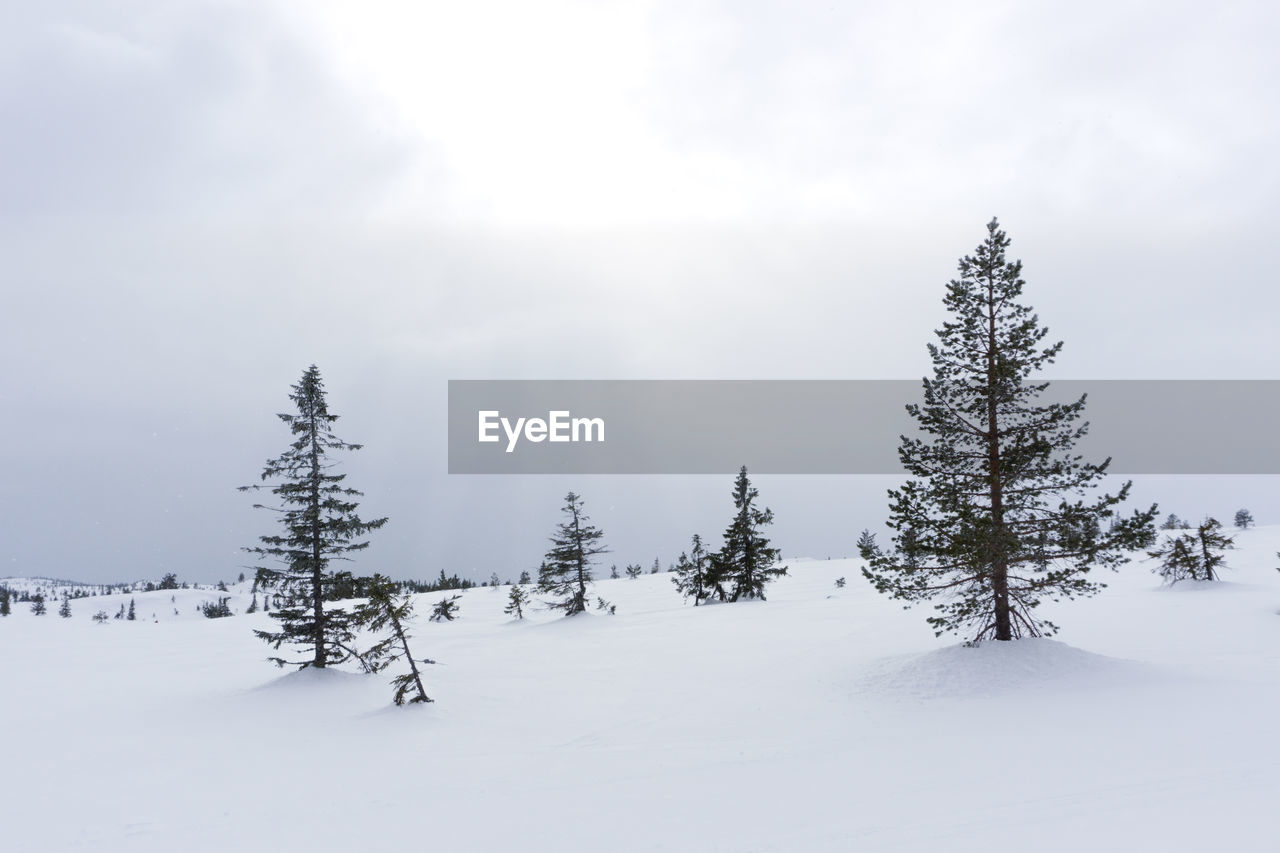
995,517
745,563
320,525
565,574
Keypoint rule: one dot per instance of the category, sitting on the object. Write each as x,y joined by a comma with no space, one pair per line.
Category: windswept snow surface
822,719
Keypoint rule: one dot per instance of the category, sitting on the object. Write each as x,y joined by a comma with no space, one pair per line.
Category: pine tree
866,542
1173,523
633,570
657,566
37,604
996,506
216,609
382,610
253,604
745,562
566,572
1244,519
320,525
691,572
1178,560
613,572
133,616
65,610
169,581
516,601
5,606
1193,556
840,582
445,610
101,617
1211,543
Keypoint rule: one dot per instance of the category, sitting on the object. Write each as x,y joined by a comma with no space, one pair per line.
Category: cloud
126,110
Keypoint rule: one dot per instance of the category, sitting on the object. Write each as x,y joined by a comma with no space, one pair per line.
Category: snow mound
993,667
311,678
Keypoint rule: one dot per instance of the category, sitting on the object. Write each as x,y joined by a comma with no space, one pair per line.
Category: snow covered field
822,719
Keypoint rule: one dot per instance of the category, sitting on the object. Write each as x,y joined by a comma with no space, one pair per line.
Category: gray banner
829,426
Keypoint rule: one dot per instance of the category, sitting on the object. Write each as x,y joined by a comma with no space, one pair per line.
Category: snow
822,719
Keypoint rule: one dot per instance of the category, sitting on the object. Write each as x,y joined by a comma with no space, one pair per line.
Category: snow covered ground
822,719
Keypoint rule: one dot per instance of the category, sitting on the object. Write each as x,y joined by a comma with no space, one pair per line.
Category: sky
198,200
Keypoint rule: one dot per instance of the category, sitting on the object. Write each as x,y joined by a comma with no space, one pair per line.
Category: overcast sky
197,200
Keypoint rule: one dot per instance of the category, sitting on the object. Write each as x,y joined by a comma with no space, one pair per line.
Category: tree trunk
317,593
998,557
413,667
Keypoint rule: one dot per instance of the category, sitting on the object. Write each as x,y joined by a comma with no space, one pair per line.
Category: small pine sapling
384,610
517,599
1177,560
445,610
691,572
1211,543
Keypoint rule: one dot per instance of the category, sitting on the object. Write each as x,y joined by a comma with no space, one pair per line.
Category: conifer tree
320,525
445,610
1193,556
516,601
37,604
1211,542
5,606
657,566
1244,519
383,610
566,573
691,572
132,616
65,610
745,563
1173,523
866,542
1178,560
633,570
613,572
524,580
997,505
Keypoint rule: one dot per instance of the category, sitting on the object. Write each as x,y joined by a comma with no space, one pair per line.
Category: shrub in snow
215,609
445,610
